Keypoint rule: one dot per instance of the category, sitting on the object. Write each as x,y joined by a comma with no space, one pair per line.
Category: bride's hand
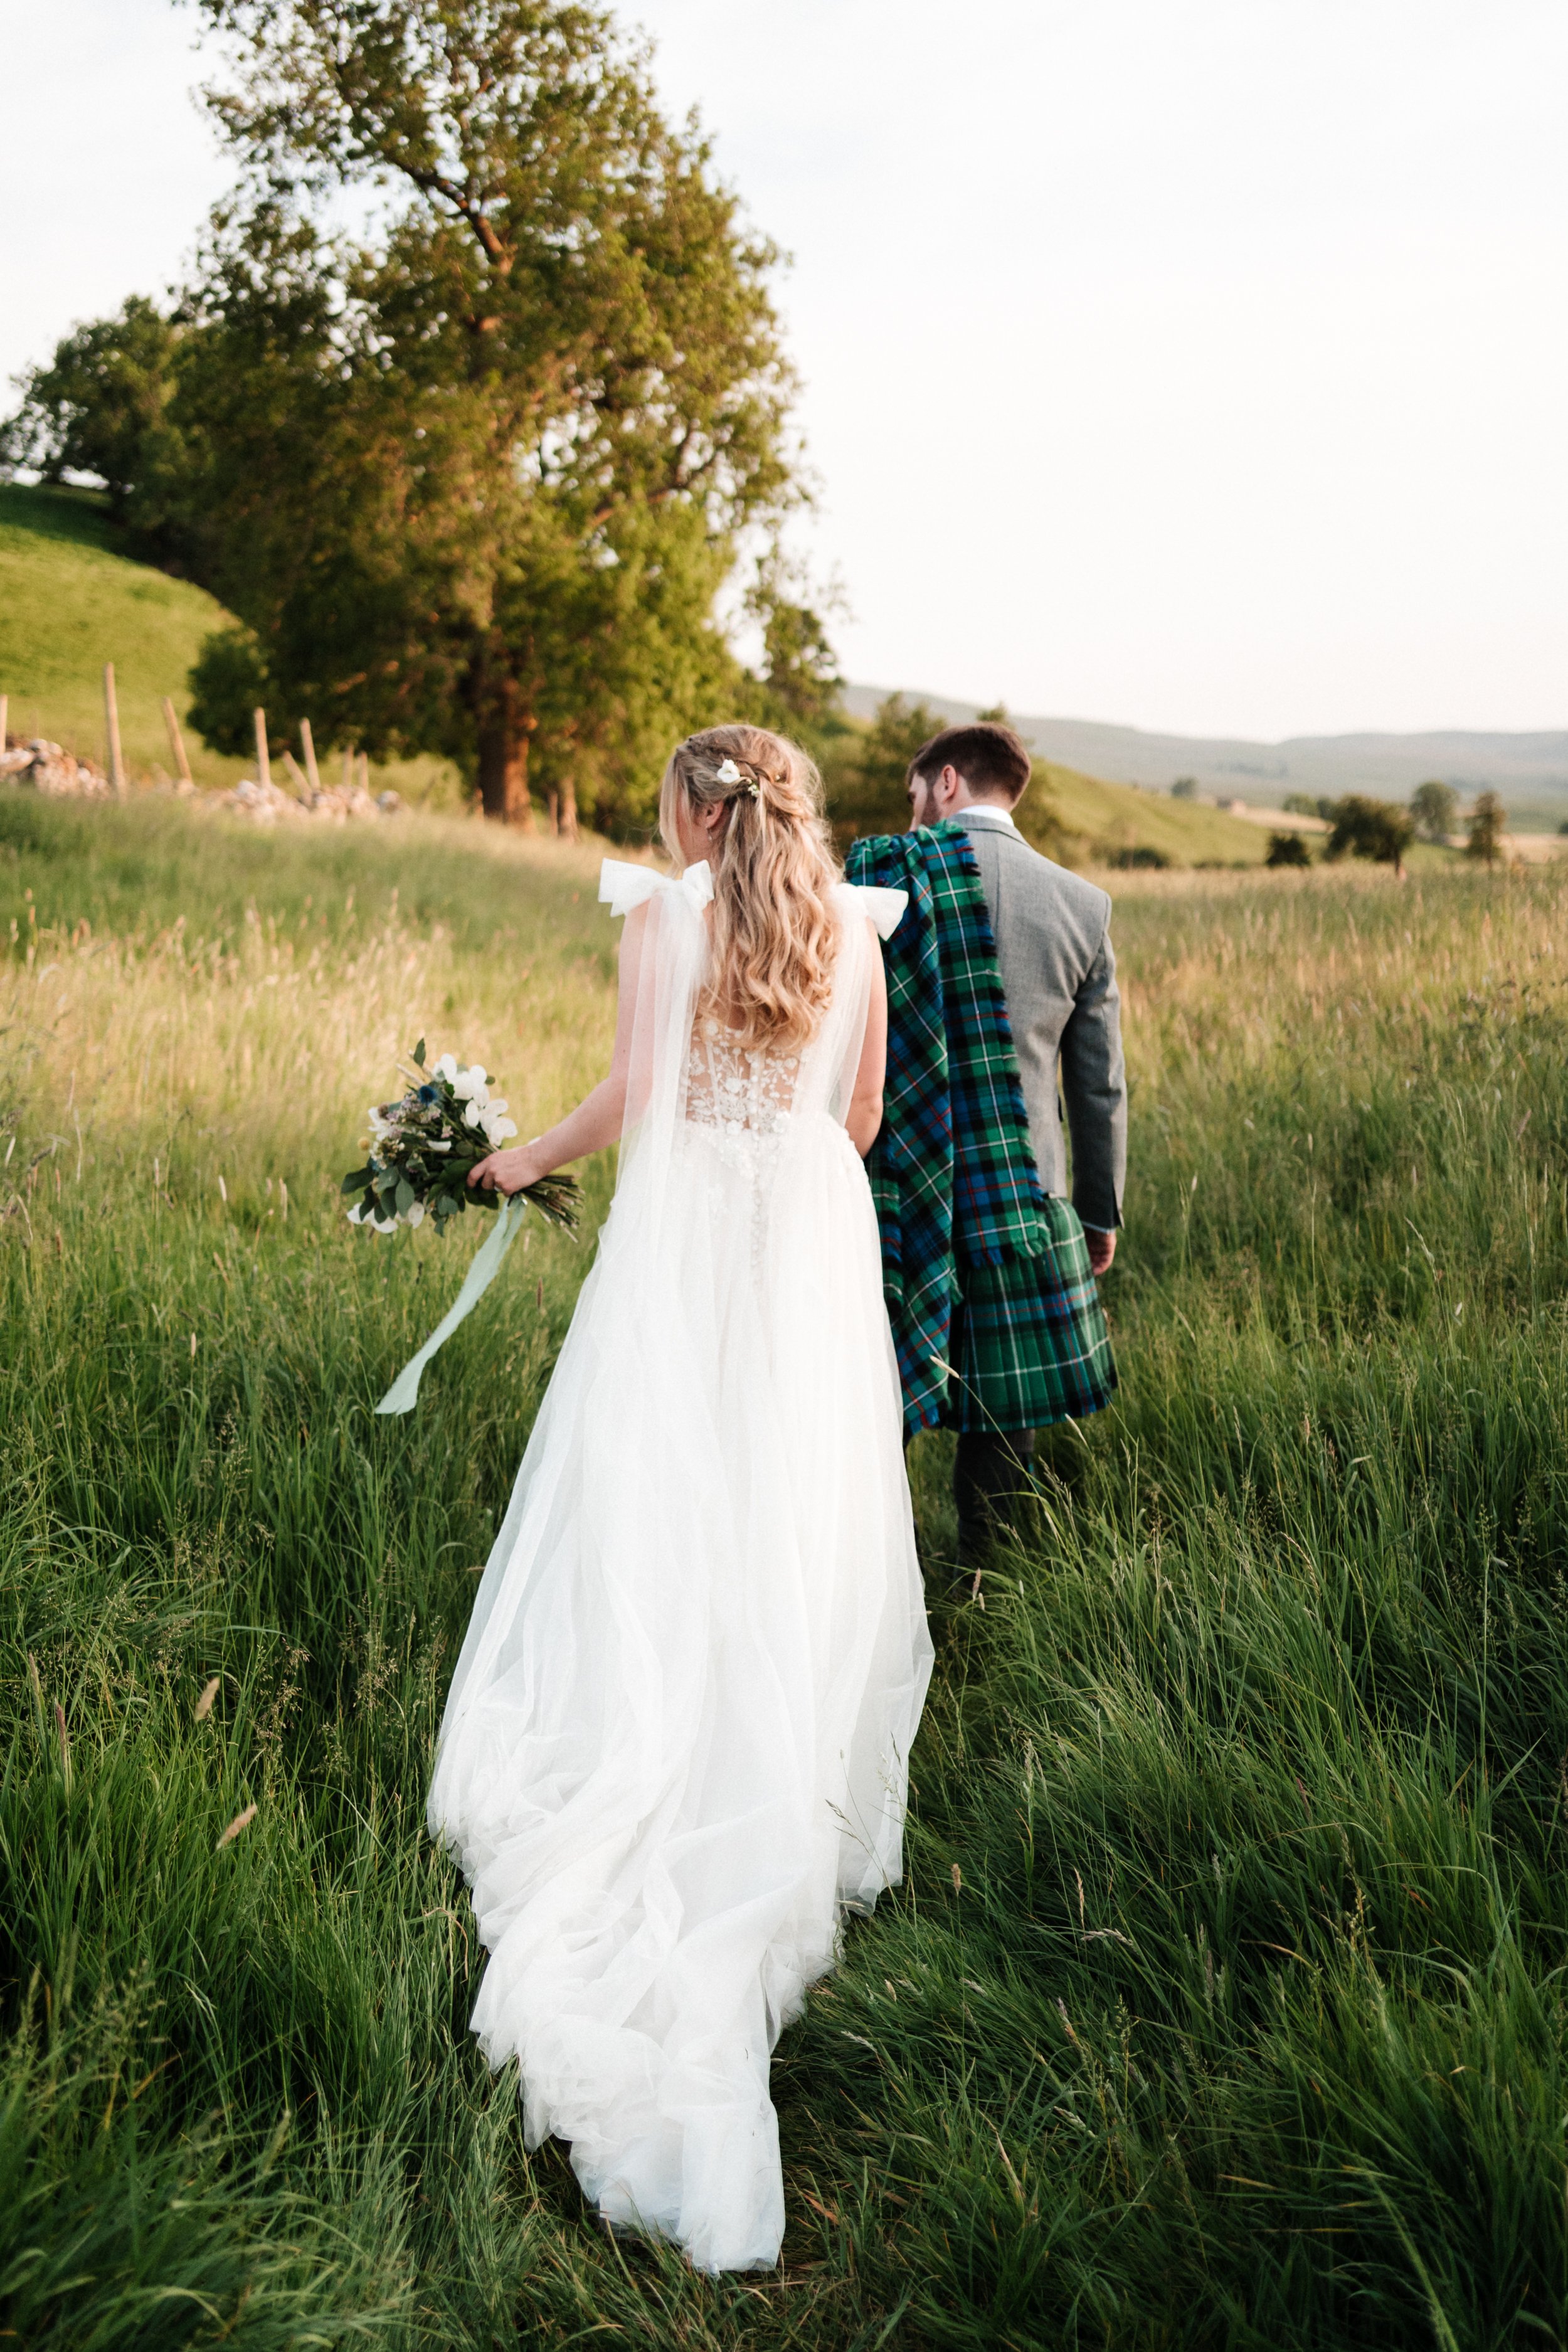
508,1171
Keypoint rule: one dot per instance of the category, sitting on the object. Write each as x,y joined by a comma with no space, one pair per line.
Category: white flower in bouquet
422,1147
361,1214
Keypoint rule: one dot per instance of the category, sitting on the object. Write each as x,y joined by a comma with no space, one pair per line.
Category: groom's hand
1102,1248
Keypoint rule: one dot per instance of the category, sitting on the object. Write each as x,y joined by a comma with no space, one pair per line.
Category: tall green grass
1224,2002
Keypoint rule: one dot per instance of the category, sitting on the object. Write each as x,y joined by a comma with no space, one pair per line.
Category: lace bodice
736,1092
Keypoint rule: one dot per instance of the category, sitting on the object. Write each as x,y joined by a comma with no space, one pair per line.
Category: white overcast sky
1200,364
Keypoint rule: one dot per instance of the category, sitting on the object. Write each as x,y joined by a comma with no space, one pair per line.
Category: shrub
1288,849
227,682
1140,854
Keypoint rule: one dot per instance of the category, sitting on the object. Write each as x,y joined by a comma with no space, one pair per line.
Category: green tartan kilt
1029,1344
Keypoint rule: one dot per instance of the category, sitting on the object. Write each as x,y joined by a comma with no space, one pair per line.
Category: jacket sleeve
1094,1087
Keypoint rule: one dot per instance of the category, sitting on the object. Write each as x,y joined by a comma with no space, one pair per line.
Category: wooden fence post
177,743
307,745
111,721
263,764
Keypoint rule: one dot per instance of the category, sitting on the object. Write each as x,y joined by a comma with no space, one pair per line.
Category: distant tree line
475,484
1360,826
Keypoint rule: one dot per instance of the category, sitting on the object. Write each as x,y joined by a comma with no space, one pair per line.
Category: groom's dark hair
990,759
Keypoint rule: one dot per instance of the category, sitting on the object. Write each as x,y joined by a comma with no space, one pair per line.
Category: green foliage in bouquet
423,1147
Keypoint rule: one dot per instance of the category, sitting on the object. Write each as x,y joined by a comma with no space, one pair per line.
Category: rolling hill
1531,772
1115,818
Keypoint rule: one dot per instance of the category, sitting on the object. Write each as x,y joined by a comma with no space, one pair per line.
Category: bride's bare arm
598,1118
865,1116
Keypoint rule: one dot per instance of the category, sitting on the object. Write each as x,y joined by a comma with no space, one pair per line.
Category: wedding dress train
676,1744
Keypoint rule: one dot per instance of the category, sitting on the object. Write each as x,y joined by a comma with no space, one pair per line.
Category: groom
1002,1005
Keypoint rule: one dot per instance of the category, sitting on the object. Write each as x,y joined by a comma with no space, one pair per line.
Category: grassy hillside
1110,817
72,598
1222,2004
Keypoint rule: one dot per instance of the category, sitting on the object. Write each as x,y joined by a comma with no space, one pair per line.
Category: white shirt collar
987,813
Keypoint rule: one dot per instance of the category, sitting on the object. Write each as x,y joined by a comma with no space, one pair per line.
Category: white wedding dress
676,1746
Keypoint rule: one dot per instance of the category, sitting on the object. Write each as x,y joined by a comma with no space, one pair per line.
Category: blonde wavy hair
769,975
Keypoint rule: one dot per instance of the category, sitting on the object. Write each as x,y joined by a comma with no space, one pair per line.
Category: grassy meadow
1224,2003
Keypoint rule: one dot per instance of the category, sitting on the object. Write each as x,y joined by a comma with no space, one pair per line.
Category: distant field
1223,2003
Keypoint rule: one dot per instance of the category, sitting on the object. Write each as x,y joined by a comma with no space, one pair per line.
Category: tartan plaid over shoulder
995,1315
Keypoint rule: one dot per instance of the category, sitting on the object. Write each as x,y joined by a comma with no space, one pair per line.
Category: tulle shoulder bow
624,887
884,908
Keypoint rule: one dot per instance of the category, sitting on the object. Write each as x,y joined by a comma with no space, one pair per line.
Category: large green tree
1378,830
473,483
1435,805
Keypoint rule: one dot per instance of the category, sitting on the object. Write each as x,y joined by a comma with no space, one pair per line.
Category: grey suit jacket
1058,974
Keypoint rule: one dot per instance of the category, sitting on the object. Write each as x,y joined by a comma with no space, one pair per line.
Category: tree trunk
568,820
504,729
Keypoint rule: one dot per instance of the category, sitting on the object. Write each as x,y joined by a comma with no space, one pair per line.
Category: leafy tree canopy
866,782
488,473
1379,830
798,688
473,483
91,409
1435,805
1487,825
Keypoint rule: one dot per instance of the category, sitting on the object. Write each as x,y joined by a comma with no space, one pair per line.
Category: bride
676,1746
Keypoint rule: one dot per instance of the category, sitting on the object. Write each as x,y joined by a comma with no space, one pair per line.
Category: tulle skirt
676,1747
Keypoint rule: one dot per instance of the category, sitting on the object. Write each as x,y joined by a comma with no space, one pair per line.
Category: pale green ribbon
404,1393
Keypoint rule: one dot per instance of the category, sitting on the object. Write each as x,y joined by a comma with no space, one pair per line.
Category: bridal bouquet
422,1147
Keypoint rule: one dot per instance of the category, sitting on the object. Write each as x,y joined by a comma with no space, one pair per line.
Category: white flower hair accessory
728,774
